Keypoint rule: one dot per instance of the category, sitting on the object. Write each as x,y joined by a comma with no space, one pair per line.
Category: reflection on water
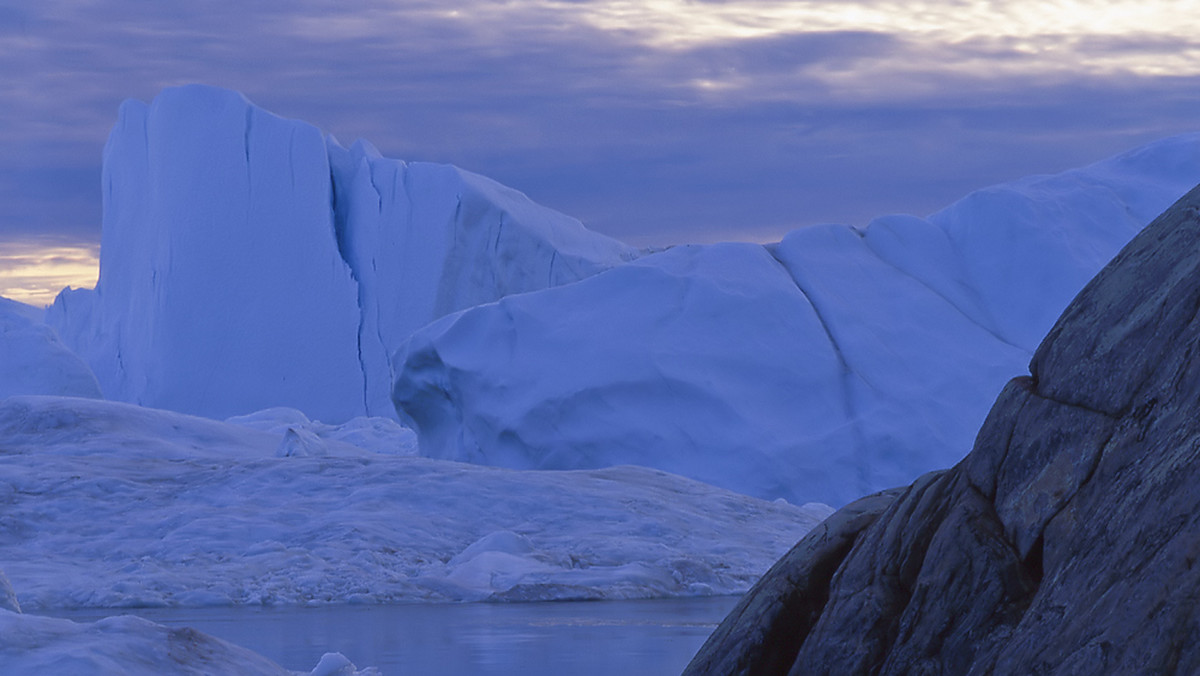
629,638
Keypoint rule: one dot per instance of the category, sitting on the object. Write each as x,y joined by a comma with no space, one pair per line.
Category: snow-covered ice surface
34,361
113,505
835,363
248,261
134,647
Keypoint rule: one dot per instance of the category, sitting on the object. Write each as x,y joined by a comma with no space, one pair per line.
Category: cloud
33,271
655,121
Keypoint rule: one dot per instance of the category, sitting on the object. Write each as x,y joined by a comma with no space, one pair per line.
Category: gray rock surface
1065,543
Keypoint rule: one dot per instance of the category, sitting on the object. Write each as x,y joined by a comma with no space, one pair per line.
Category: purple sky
655,121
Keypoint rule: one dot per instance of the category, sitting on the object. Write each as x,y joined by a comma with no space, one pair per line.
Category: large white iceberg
835,363
248,261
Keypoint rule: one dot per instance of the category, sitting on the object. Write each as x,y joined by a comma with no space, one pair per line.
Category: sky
655,121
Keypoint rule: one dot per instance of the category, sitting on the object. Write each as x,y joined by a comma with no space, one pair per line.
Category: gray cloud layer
715,139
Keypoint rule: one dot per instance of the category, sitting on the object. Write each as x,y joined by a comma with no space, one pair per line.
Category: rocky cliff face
1065,543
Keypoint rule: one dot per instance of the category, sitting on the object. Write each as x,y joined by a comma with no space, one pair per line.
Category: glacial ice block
248,261
835,363
221,288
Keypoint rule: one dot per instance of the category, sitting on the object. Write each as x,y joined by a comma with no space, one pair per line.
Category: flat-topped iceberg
248,261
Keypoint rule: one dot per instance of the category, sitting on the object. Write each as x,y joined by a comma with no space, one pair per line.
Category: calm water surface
627,638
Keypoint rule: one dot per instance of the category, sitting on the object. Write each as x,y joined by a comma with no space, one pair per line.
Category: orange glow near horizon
33,272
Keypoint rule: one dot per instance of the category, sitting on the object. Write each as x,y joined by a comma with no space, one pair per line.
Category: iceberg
249,261
838,362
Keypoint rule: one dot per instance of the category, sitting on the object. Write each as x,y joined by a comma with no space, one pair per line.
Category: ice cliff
833,364
248,261
1065,543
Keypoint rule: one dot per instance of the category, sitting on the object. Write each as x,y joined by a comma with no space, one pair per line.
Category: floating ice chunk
30,644
337,664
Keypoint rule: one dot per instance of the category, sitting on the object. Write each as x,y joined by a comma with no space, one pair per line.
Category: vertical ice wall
221,288
424,240
247,261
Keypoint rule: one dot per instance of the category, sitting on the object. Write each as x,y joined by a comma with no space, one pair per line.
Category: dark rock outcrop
1066,542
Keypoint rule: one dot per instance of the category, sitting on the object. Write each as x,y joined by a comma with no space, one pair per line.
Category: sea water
629,638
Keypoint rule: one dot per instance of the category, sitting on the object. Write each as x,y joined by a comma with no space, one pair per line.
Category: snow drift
833,364
248,261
